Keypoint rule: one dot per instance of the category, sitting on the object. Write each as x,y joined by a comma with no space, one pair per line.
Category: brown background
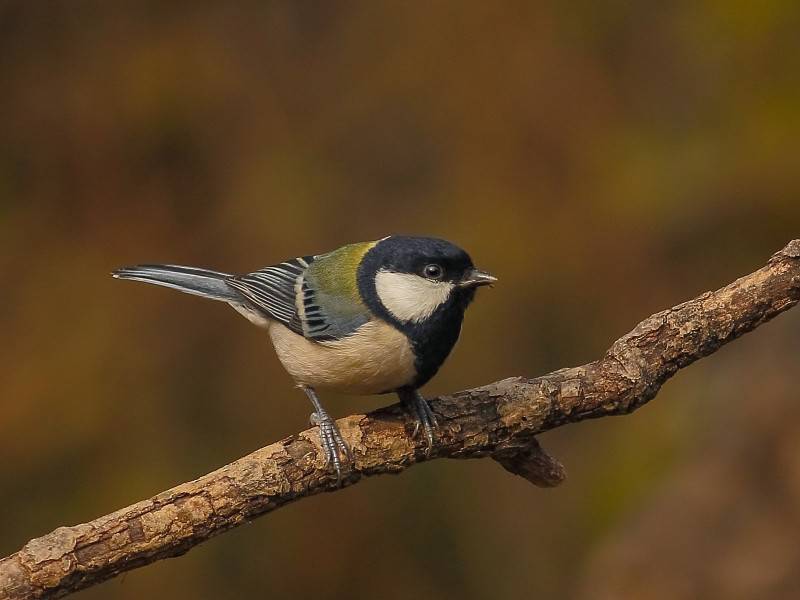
605,160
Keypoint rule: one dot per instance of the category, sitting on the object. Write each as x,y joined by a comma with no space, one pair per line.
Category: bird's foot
425,417
332,442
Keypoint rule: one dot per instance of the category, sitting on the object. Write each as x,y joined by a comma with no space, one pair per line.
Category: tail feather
200,282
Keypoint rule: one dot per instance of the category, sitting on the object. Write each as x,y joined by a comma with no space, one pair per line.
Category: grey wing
288,293
326,317
273,290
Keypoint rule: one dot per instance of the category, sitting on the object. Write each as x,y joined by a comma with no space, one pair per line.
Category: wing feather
272,290
314,296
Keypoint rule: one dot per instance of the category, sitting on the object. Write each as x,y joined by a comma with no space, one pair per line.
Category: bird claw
425,419
332,443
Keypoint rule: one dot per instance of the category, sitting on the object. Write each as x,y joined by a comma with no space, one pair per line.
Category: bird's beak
476,278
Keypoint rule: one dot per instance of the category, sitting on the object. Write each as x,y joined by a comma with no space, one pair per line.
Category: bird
367,318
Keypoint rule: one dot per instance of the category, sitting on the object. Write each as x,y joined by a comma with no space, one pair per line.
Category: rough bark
498,420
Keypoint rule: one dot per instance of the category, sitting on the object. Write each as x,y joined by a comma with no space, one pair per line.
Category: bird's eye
433,272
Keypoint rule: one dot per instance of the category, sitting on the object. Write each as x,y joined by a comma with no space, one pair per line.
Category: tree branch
498,420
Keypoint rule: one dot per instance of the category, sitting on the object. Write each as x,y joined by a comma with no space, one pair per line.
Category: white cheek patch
410,297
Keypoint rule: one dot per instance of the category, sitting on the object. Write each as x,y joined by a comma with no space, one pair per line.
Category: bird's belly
376,358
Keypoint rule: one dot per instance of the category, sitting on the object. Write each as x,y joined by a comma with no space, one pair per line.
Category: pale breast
376,358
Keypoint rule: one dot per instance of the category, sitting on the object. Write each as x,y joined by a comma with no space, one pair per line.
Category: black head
427,257
422,286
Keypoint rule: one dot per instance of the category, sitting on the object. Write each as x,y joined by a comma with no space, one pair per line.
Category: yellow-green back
334,274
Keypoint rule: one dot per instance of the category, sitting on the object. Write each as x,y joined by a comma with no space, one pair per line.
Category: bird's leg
414,402
329,434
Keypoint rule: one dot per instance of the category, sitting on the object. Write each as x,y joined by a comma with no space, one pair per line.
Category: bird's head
411,279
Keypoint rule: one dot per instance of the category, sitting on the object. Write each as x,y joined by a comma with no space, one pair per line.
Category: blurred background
605,159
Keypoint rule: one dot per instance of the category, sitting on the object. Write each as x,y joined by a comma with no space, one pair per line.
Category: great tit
368,318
